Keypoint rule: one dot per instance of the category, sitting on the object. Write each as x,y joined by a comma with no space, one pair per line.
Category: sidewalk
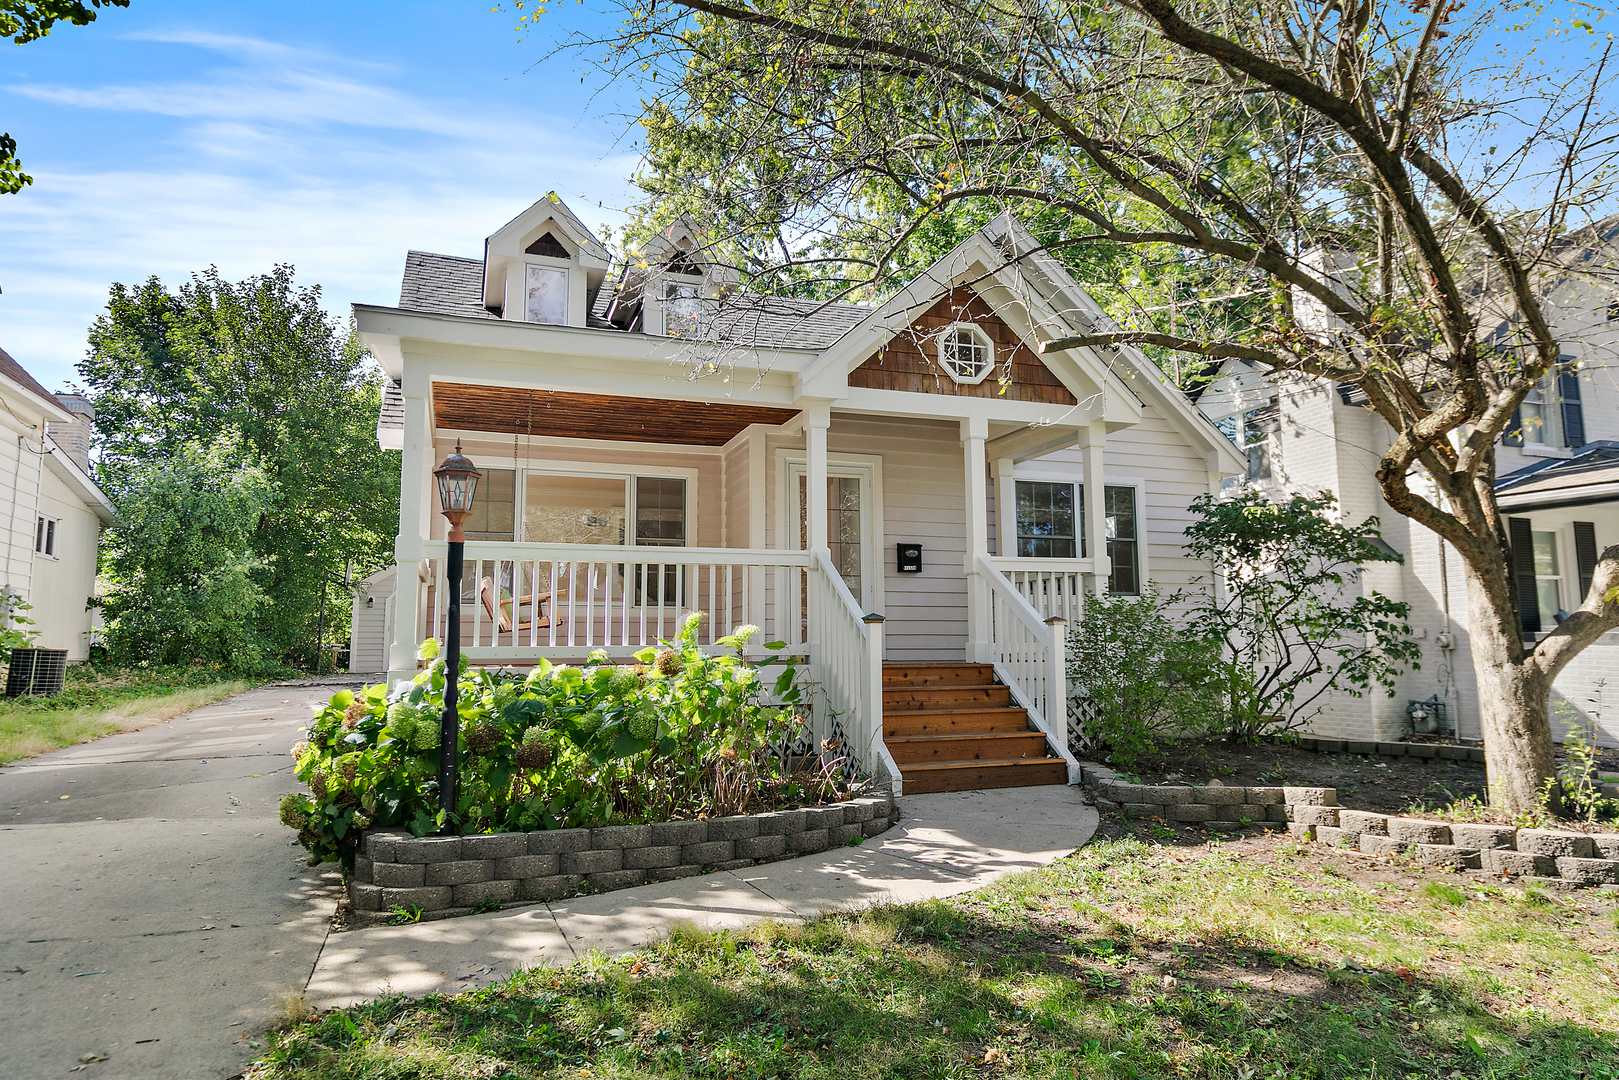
945,844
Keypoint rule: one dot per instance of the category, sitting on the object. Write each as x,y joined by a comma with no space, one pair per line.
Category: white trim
867,467
450,435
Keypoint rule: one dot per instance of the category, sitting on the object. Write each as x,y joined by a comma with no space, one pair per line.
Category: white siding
62,584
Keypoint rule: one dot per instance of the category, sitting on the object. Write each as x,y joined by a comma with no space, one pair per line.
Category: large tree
259,366
1368,190
29,20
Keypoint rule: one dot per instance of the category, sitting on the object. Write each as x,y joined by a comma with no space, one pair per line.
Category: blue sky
174,134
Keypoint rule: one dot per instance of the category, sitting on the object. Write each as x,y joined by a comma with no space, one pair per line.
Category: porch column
817,420
415,516
1092,440
974,433
1005,507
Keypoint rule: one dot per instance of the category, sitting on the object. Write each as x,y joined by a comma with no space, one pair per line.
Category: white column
974,433
817,419
1005,507
415,510
1092,440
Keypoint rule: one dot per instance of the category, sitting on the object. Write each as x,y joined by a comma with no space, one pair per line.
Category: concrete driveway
150,907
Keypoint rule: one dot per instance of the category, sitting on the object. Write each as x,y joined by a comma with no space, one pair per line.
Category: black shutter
1523,569
1568,389
1514,433
1585,555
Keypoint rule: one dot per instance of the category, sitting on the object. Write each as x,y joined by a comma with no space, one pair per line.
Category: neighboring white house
52,511
1557,483
793,465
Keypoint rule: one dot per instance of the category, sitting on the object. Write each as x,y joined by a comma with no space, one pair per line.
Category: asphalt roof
453,285
18,374
1563,481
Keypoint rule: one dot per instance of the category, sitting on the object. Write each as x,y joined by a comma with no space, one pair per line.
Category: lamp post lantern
457,484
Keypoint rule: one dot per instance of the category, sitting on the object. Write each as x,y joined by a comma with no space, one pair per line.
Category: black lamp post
457,484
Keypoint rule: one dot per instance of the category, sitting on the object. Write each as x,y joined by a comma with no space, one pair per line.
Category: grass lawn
1251,959
96,702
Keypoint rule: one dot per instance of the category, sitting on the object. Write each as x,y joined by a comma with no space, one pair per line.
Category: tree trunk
1514,704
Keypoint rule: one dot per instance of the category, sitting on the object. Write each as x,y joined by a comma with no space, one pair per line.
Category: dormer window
966,353
546,295
682,308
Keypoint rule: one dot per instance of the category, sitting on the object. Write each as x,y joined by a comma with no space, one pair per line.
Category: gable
910,360
549,246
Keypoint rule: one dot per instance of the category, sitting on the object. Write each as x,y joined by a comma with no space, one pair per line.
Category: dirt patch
1384,785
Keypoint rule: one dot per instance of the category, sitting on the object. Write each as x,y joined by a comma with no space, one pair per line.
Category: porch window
1047,515
1123,540
579,509
494,511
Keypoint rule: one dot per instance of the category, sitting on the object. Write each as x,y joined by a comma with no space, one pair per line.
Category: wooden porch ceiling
517,411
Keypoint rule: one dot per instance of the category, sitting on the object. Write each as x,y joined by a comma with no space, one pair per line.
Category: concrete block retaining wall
1444,751
436,873
1314,814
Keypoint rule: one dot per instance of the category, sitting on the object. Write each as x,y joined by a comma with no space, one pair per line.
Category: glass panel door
847,531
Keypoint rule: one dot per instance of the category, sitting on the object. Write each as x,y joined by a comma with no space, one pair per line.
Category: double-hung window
1048,517
1123,540
45,536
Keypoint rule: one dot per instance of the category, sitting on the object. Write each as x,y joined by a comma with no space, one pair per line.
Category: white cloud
281,155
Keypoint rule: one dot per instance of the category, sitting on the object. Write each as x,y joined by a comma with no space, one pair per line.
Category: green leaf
342,700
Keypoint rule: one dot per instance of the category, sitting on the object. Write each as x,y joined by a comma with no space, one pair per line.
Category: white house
1557,483
804,467
52,510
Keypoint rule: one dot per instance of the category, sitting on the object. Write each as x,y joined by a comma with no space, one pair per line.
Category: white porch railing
1053,587
621,599
1028,650
846,646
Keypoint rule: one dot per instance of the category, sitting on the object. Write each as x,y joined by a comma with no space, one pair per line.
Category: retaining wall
1314,814
436,873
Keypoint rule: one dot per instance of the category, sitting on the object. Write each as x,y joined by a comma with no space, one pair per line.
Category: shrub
680,733
1143,677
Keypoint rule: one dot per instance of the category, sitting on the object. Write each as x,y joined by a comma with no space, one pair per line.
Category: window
965,353
1123,540
576,509
1258,425
546,296
1535,415
682,309
495,509
45,536
1048,515
1548,580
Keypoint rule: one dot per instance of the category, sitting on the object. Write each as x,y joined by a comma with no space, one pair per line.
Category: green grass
1122,961
100,701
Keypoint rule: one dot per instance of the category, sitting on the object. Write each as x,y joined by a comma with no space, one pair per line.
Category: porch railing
1029,654
846,648
1053,587
560,601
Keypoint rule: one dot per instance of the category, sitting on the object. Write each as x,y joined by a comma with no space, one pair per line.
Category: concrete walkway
150,908
944,844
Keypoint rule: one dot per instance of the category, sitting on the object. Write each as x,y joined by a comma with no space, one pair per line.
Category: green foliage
29,20
1142,674
181,572
1288,618
681,733
13,624
257,366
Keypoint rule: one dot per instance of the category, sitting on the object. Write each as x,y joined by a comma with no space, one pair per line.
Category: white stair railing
846,650
1053,587
1028,650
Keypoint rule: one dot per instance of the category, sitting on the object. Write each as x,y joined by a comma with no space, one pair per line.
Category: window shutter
1514,432
1568,389
1585,555
1521,534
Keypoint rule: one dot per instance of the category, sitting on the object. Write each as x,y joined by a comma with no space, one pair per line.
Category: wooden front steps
952,727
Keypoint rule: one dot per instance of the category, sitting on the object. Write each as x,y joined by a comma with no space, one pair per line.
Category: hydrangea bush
679,734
